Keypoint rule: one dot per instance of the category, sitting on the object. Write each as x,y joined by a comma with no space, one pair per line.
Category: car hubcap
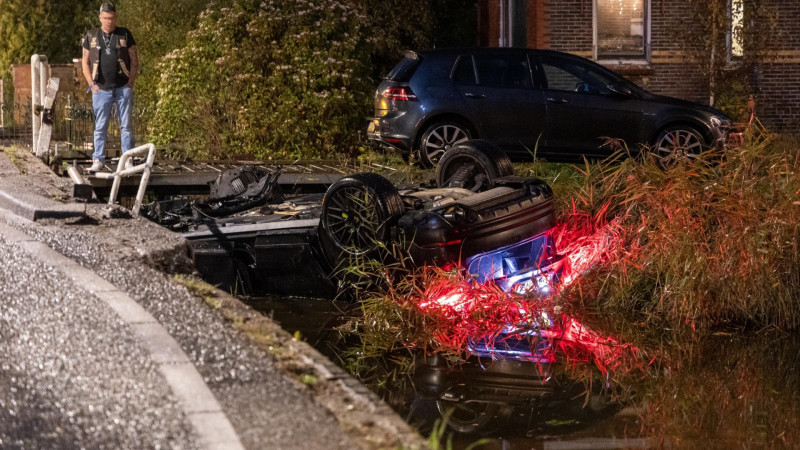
442,139
352,219
679,144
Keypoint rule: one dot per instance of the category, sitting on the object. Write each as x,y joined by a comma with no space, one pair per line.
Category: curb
198,403
16,197
35,207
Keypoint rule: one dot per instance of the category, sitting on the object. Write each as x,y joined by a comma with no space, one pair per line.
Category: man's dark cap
108,7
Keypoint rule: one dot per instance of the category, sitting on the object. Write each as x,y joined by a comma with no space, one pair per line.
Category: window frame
647,23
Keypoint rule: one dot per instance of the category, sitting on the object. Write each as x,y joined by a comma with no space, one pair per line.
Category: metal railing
73,123
121,172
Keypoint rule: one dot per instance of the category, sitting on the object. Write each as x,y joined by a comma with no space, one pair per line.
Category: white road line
198,402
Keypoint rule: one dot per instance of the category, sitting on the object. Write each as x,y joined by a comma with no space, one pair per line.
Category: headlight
720,126
718,122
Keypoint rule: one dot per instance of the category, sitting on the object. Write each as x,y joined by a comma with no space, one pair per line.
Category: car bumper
380,132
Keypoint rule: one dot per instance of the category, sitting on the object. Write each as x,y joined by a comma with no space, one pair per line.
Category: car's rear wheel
357,214
678,142
438,139
473,165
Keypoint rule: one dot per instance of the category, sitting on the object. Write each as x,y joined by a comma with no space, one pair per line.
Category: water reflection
655,388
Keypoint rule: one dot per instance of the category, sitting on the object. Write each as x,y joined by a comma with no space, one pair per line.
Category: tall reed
706,241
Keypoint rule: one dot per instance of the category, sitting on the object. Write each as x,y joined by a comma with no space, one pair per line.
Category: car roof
489,51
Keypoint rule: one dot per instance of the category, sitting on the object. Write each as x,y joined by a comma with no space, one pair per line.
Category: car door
498,87
584,117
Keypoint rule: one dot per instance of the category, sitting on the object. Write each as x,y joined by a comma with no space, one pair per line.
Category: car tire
358,212
678,142
438,139
473,165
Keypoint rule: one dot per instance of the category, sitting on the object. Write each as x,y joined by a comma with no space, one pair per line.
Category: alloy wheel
441,139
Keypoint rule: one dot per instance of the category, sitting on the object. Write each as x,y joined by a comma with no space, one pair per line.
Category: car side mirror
620,89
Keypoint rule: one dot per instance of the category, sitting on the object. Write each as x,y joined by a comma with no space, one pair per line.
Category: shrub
267,79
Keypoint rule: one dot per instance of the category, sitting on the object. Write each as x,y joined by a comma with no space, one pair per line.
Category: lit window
736,39
621,30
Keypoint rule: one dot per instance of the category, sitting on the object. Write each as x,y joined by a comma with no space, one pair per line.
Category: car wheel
678,142
357,214
438,139
473,165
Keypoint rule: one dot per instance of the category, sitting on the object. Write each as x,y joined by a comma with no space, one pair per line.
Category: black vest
121,43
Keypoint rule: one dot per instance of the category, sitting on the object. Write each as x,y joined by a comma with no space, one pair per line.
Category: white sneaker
97,165
129,164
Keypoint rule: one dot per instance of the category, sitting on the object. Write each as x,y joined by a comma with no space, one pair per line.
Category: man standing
110,64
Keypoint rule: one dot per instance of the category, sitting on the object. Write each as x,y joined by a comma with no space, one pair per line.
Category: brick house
662,46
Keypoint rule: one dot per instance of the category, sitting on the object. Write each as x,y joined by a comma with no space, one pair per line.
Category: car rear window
404,69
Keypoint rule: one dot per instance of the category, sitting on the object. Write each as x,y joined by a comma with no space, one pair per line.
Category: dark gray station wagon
555,104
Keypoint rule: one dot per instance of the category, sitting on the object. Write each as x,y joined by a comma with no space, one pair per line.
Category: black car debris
249,238
541,102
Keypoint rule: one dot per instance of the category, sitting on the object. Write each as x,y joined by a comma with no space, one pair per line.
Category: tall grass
707,241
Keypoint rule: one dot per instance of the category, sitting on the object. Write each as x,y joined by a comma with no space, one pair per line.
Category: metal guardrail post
145,168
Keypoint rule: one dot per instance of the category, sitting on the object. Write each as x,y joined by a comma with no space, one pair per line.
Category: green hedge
268,79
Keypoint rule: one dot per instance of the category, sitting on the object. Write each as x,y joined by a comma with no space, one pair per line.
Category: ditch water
665,388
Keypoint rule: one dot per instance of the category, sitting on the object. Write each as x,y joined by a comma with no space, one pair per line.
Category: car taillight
399,93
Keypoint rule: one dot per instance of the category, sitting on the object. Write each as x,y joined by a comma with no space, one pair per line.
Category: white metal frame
40,70
121,172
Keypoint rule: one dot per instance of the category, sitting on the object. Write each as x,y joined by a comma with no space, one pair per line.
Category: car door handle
471,95
556,100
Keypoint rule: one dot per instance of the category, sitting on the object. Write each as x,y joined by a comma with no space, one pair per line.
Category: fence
73,124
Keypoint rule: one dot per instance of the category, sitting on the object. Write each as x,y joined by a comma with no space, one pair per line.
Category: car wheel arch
696,125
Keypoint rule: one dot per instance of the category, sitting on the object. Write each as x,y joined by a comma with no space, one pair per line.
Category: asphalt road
71,374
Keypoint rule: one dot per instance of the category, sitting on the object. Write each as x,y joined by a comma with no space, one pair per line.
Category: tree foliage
52,28
265,75
159,27
281,78
711,36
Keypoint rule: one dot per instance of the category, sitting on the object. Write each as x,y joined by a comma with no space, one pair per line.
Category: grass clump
14,156
707,241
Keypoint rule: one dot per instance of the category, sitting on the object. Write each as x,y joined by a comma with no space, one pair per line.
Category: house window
735,37
621,29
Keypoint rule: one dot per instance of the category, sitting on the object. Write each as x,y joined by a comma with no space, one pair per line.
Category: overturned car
251,239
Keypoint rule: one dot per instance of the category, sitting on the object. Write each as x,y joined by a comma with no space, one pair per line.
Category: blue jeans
103,101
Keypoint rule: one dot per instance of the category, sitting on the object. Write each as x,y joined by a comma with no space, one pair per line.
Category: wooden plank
46,129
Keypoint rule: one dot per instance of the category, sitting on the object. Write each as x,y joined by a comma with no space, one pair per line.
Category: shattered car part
234,191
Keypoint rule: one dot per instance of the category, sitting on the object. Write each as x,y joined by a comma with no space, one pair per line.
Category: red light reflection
585,243
462,309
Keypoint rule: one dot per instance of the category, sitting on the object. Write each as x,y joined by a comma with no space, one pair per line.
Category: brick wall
21,76
571,28
777,80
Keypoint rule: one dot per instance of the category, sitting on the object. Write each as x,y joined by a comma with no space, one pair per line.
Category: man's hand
95,88
130,84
